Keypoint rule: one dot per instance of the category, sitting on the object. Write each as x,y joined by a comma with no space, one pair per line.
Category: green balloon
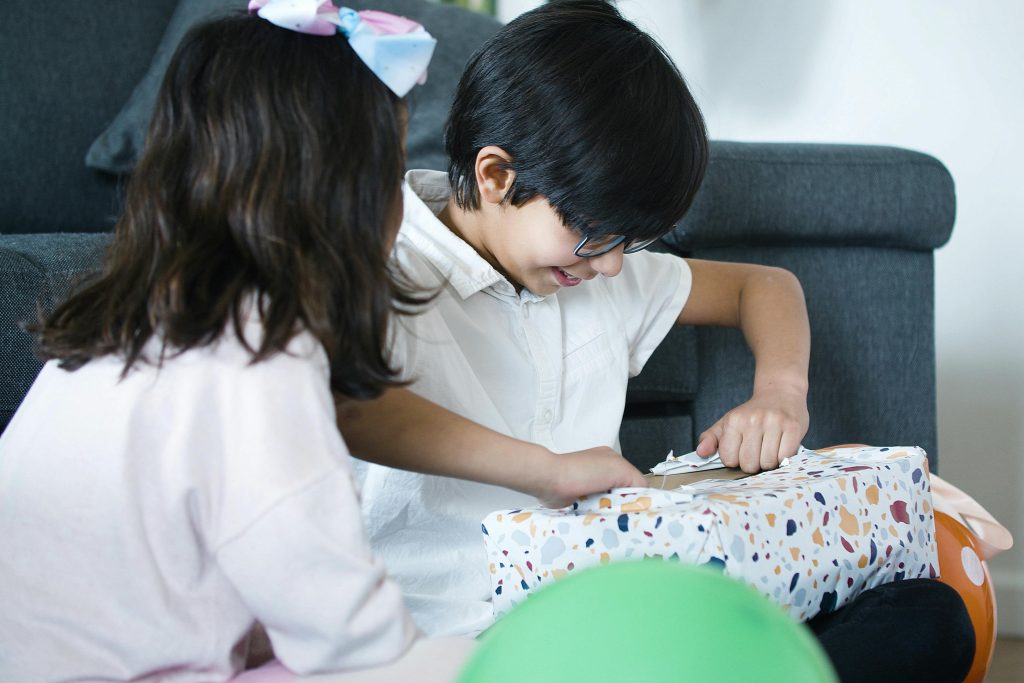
647,621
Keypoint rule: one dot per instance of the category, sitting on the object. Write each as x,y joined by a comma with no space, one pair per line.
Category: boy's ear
494,174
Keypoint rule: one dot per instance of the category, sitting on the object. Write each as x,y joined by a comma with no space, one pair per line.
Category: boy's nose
609,263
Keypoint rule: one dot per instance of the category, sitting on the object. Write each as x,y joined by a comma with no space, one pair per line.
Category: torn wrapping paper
810,536
691,462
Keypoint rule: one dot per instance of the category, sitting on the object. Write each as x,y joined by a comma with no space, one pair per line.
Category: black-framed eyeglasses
595,245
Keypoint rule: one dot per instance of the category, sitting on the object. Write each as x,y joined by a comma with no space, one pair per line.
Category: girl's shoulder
233,355
231,360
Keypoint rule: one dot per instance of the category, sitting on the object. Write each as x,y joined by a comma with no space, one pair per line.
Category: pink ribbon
299,15
991,536
385,23
397,50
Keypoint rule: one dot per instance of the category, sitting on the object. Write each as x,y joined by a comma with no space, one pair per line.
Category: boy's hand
760,433
580,473
767,305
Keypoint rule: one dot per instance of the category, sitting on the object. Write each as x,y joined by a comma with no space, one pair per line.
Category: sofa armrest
857,225
776,194
36,272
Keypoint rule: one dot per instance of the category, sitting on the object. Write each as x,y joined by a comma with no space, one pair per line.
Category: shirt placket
541,324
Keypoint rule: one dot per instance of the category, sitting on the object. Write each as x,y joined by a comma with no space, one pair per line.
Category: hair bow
397,50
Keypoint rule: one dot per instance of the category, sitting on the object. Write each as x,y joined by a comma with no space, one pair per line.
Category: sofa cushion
458,32
872,366
39,270
646,436
58,92
774,194
118,147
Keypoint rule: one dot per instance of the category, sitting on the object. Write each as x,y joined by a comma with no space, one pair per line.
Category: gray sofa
858,225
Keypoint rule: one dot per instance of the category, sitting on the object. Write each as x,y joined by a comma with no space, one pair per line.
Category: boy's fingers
631,476
707,444
789,445
729,448
750,454
770,451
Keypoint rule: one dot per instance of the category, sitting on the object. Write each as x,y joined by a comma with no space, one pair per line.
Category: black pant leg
914,630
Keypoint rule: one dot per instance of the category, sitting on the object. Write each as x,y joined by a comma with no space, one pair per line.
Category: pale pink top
148,522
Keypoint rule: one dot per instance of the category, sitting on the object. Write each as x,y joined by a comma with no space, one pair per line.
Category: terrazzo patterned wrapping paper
810,536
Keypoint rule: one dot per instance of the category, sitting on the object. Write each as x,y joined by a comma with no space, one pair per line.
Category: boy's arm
403,430
767,304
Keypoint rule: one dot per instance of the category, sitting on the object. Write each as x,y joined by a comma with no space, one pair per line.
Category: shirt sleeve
648,296
305,570
284,523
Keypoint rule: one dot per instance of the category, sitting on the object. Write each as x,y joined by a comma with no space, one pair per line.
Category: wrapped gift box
810,535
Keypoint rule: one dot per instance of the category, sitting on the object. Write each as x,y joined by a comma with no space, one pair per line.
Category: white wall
942,77
510,9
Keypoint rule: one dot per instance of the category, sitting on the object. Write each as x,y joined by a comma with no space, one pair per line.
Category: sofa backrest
64,75
95,66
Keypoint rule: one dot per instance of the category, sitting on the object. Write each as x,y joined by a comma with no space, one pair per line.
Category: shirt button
526,311
547,415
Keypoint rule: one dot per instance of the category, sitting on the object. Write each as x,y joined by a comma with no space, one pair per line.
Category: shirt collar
425,195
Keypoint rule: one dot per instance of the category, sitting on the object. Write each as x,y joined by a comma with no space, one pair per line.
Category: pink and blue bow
396,49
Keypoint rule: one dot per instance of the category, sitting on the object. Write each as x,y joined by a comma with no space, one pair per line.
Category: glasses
595,245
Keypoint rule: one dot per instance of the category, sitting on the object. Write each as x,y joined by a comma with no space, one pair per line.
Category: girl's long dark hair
272,172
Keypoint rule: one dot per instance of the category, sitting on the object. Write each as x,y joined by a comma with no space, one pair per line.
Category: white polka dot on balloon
972,566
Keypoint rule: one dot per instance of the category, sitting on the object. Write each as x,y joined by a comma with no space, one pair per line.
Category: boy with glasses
574,144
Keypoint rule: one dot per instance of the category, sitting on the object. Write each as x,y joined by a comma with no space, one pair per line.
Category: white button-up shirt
551,370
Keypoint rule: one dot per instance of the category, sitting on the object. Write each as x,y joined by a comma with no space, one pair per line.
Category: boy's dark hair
594,114
272,172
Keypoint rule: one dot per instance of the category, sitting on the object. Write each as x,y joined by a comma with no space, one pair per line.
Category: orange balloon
961,567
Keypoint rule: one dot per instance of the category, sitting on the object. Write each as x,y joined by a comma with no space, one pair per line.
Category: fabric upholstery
64,74
117,149
35,270
768,194
459,33
649,430
872,368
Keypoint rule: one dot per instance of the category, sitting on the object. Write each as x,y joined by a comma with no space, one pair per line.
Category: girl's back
176,473
173,520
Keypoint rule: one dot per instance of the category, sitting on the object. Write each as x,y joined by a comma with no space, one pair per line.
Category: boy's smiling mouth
564,278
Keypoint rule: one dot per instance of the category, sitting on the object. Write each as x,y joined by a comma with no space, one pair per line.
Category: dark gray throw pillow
62,81
458,32
118,147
